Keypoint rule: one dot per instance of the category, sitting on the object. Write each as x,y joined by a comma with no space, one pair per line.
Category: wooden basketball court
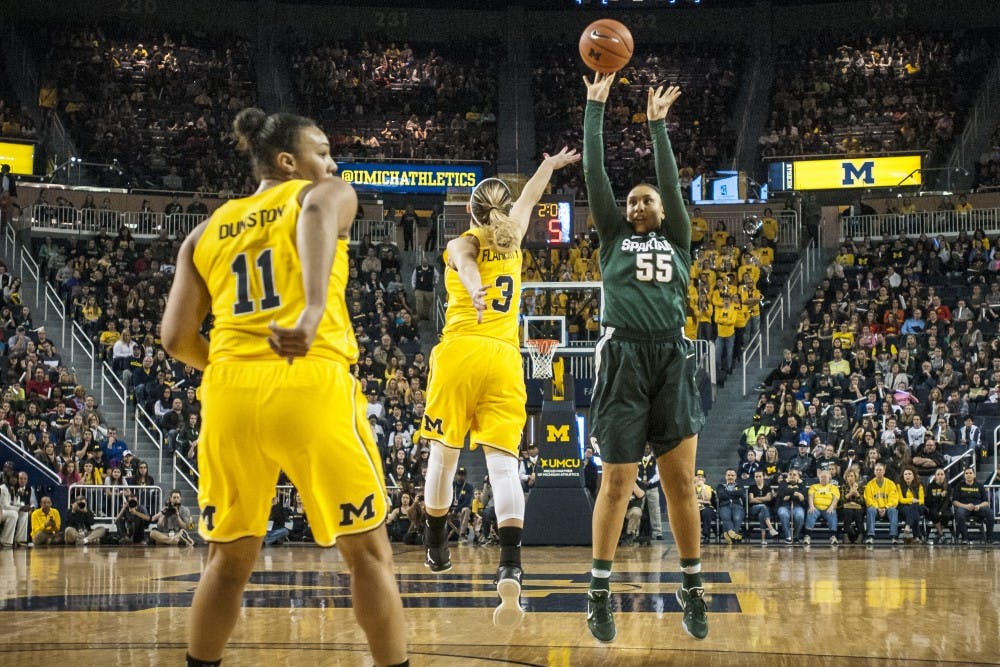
769,605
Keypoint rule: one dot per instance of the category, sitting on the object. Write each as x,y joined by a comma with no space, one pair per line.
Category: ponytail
490,206
503,231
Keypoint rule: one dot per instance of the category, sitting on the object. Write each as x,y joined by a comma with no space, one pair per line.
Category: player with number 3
476,381
645,387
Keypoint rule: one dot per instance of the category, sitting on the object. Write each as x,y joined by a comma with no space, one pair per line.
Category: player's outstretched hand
563,158
295,341
659,101
479,302
599,88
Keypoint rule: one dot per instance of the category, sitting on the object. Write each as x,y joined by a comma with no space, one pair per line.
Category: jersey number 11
244,304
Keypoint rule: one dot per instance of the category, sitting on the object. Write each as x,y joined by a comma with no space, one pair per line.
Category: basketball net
541,351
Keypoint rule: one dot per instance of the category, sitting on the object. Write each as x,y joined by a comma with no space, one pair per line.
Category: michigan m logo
595,54
557,433
864,173
433,425
349,512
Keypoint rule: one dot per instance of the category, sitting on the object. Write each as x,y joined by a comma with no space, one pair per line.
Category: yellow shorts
308,419
475,384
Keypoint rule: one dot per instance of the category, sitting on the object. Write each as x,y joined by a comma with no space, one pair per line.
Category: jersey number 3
651,266
244,304
506,286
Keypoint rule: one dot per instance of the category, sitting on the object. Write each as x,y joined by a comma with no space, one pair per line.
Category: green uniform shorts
644,392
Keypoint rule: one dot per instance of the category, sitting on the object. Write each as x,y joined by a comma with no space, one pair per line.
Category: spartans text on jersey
648,244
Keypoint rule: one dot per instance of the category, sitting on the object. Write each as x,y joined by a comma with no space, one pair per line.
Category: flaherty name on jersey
262,217
489,255
647,244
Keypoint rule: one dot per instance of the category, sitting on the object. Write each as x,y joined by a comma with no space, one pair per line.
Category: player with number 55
475,384
645,387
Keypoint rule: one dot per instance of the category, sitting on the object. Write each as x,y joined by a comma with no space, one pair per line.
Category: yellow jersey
249,261
501,271
823,495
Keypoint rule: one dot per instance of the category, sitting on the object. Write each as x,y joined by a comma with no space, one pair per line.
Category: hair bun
247,125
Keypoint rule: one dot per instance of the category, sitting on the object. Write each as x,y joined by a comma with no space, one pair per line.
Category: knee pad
508,496
441,467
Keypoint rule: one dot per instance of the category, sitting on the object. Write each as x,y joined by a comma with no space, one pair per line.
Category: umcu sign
874,172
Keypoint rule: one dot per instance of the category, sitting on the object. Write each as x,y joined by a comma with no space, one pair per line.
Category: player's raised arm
678,227
328,210
535,187
600,196
187,306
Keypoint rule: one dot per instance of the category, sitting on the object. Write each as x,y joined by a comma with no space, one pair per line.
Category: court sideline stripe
334,647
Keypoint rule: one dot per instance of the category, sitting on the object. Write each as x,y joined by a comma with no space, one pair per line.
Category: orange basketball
606,46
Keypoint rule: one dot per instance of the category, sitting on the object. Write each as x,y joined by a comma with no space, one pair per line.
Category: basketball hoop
541,351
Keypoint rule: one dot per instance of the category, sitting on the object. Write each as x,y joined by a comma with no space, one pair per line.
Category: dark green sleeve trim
678,224
600,197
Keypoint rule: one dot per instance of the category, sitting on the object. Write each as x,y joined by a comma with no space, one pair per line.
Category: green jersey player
645,388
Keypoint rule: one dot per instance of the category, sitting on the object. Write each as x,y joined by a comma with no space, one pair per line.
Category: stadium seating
872,93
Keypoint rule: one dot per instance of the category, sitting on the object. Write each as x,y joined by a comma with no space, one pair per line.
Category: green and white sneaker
600,620
695,620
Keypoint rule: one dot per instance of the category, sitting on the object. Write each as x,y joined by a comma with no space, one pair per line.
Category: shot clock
551,223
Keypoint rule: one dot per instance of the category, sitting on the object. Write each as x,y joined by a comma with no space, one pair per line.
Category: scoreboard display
551,224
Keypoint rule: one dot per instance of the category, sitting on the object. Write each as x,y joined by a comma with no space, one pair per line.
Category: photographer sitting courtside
172,523
80,525
132,520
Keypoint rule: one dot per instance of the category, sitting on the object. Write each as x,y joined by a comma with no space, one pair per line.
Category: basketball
606,46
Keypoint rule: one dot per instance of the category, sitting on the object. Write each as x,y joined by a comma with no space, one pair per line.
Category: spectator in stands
761,497
803,461
142,476
823,499
882,501
649,481
9,512
939,506
122,349
911,503
791,503
726,318
705,495
928,458
461,507
68,474
22,495
142,380
46,524
173,419
852,505
633,515
187,438
114,447
971,500
423,282
387,350
8,193
970,435
732,511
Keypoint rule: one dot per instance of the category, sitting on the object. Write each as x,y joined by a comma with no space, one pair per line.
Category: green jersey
645,276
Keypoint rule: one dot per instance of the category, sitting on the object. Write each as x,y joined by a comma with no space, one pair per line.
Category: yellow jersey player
476,384
272,269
